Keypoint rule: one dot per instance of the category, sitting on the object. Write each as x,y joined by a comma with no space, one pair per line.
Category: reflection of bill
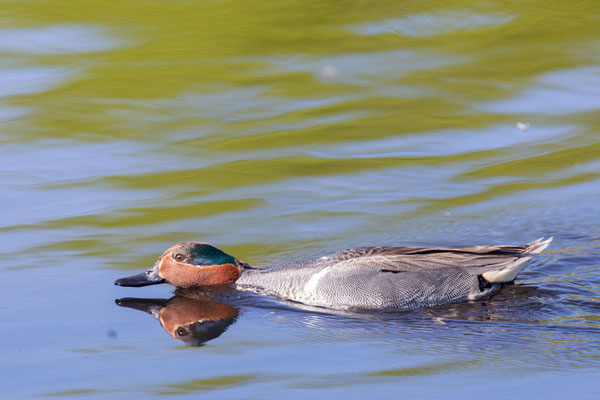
194,321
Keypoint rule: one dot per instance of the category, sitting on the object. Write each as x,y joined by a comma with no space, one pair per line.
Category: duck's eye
178,257
181,331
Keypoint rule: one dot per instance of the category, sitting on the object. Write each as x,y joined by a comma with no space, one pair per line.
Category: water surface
278,130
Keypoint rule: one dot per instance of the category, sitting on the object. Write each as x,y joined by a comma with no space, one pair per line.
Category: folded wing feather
496,263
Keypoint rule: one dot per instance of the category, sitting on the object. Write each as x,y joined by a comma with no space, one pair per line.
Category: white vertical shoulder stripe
312,283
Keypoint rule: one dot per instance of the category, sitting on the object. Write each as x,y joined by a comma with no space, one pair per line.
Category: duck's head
189,264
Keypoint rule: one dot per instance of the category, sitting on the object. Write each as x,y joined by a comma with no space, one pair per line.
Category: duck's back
393,277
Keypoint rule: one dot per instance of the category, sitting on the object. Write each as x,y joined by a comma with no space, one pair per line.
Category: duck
362,278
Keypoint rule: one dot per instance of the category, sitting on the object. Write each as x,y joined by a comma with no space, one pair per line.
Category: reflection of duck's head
191,320
189,265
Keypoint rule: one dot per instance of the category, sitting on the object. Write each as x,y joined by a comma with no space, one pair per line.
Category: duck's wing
494,263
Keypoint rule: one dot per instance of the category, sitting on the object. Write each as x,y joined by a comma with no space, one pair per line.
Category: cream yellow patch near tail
510,272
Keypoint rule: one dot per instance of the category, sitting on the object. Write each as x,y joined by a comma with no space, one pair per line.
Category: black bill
148,277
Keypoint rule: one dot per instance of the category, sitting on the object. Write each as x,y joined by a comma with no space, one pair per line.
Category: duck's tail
509,272
538,246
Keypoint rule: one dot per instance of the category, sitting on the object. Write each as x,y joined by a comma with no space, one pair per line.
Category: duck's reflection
196,316
191,320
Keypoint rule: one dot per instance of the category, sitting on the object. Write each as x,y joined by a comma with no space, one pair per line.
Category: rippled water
280,130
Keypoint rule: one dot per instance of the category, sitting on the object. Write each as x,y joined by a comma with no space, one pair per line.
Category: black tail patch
483,283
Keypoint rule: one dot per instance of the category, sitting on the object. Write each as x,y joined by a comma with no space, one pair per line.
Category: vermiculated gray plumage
393,277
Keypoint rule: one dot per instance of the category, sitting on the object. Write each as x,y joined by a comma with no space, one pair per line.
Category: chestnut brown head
189,264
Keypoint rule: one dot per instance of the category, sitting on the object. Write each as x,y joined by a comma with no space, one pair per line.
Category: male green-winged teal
359,278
